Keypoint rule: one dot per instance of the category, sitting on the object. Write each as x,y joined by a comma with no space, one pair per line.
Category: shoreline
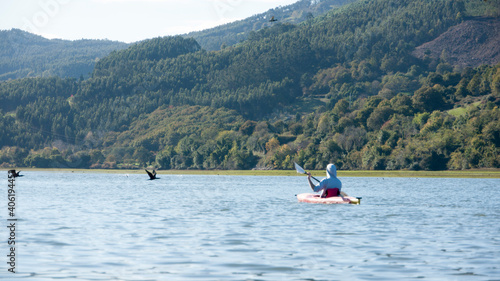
482,173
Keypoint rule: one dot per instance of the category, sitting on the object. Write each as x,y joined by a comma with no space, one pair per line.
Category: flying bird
273,19
15,174
152,176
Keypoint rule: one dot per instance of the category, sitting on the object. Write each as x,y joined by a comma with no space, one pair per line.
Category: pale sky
125,20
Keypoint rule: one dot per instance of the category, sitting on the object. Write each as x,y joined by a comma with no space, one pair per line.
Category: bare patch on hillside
470,44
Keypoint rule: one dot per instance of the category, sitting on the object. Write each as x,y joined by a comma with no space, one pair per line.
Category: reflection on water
119,227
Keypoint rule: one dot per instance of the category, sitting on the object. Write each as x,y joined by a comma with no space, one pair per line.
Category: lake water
86,226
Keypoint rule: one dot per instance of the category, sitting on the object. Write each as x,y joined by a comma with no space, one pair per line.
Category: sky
125,20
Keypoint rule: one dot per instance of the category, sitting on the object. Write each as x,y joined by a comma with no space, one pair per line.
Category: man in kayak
331,185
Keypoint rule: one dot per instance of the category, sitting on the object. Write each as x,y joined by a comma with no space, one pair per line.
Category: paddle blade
299,169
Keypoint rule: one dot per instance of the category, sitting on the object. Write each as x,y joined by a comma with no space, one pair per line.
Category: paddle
301,171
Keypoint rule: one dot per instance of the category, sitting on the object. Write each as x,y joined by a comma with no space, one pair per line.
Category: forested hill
236,32
23,54
343,88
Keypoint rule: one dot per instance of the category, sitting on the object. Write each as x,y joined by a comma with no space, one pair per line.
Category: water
85,226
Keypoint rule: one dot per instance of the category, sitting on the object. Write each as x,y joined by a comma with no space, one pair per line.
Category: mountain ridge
235,32
23,54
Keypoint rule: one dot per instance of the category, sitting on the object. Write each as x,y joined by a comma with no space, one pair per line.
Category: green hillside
23,54
343,87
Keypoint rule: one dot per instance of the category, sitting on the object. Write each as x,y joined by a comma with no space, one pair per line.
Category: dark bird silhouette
273,19
152,176
15,174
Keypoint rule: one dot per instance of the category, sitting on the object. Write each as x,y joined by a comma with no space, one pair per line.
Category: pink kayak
315,198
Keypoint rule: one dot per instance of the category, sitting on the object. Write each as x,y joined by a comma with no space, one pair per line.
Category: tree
142,156
378,117
430,99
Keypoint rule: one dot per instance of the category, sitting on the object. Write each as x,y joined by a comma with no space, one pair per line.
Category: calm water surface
81,226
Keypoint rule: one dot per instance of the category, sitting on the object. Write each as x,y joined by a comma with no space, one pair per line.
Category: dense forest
343,88
23,54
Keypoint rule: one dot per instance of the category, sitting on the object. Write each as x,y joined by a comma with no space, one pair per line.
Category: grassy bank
490,173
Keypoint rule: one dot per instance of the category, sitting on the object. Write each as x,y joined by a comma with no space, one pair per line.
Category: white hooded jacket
331,180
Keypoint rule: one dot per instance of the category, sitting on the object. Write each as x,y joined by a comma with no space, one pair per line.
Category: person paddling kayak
331,185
